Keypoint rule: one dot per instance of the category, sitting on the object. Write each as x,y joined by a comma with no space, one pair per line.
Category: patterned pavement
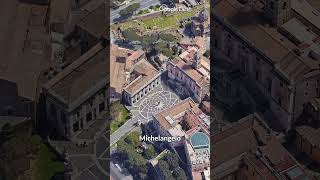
160,98
156,102
88,162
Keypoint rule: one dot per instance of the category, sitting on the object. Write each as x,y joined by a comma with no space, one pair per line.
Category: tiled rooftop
80,76
190,71
146,73
117,64
134,56
173,111
242,131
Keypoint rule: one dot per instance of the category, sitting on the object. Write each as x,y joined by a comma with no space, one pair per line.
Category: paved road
88,162
122,130
143,4
159,99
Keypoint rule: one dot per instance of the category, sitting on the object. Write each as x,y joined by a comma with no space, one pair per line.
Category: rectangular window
89,116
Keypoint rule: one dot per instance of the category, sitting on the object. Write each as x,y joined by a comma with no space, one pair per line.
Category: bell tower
278,11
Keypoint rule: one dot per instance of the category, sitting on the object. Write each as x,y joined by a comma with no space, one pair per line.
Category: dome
199,140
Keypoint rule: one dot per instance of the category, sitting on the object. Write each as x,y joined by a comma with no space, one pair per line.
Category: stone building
199,24
132,76
118,76
311,114
142,78
307,140
275,48
193,71
65,16
249,149
74,26
78,94
198,155
183,116
187,121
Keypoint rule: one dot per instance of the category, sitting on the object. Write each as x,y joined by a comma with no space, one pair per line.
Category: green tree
130,9
168,37
123,13
172,160
133,161
179,174
143,176
133,139
164,168
163,165
123,149
168,176
147,40
150,152
175,49
136,164
131,35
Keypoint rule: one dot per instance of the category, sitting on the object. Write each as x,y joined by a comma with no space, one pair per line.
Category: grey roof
12,120
81,76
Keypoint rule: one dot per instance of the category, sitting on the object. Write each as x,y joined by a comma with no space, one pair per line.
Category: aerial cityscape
160,90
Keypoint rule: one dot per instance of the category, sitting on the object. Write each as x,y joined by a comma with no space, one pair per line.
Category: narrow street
143,4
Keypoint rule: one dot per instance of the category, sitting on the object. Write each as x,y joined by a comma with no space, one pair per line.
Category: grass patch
119,115
46,164
160,23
